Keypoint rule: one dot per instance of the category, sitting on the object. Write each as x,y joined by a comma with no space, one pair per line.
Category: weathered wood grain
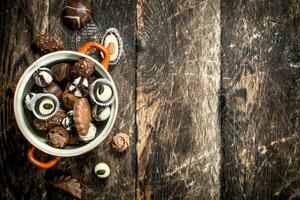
260,104
178,81
20,21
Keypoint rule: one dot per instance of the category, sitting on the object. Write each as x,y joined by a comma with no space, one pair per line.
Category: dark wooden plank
178,73
20,21
260,104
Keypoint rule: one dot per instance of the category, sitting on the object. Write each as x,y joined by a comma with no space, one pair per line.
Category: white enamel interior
31,134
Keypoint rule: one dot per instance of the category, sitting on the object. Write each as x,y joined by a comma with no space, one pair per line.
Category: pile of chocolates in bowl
69,101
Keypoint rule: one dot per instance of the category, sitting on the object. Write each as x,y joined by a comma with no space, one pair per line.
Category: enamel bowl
38,140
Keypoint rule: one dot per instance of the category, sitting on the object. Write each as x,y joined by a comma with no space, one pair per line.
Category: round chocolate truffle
43,77
84,67
53,88
77,14
50,123
61,71
102,170
58,137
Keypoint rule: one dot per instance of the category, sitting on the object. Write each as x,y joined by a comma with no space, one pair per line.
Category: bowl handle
85,48
44,165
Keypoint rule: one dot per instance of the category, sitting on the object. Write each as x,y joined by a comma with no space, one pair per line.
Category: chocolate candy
68,99
82,116
120,142
90,134
77,14
58,137
114,44
44,106
79,87
102,170
68,121
61,71
84,67
45,125
101,113
53,88
28,102
43,77
49,43
101,92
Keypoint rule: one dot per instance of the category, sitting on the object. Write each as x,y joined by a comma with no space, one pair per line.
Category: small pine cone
49,43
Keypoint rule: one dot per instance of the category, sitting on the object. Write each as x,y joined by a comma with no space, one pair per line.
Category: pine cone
49,43
68,184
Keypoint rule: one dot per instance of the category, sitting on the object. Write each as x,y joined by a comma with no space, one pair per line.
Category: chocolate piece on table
43,77
49,43
120,142
55,89
77,14
50,123
114,44
61,71
102,170
84,67
58,137
68,100
82,116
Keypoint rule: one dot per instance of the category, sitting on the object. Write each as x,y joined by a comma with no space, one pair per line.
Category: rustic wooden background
208,90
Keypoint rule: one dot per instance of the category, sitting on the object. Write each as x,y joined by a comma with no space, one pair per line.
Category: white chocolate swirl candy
27,100
101,113
43,77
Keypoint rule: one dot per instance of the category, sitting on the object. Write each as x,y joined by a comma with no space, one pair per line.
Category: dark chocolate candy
49,43
84,67
77,14
61,71
55,89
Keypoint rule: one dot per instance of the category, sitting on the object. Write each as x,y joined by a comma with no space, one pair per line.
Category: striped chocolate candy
77,14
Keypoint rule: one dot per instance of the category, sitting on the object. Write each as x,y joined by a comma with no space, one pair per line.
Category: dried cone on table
68,184
49,43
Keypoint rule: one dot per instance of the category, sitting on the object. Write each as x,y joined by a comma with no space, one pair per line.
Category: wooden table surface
208,90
